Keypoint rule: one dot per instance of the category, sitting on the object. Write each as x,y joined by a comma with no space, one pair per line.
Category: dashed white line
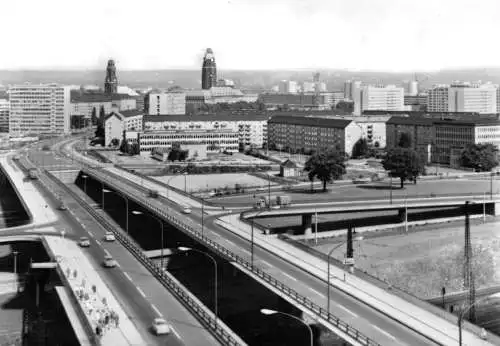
141,292
107,252
98,242
289,276
384,332
91,234
318,293
176,334
266,263
156,310
347,310
127,276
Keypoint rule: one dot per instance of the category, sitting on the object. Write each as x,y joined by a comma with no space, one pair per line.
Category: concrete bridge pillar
401,214
307,223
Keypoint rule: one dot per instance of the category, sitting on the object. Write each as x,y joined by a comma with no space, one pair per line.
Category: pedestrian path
104,313
36,206
409,314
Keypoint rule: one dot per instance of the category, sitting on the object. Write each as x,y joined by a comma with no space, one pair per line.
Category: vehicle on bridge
33,173
153,193
109,236
84,242
160,326
62,206
109,262
186,211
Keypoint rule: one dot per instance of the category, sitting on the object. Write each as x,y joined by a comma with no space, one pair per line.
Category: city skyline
252,35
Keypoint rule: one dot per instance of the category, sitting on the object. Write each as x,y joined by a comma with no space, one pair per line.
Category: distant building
111,81
197,98
117,122
300,101
412,88
290,168
303,134
288,87
208,70
387,97
4,115
83,104
39,109
463,97
165,103
251,128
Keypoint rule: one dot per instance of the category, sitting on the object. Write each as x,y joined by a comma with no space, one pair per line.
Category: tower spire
111,81
208,70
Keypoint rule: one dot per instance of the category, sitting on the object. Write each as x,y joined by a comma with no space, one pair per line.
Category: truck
283,200
33,173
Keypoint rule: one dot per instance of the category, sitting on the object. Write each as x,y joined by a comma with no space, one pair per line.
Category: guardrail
224,253
220,333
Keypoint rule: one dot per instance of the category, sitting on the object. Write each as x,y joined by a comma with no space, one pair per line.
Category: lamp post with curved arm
461,317
274,312
186,249
126,205
136,212
252,243
328,271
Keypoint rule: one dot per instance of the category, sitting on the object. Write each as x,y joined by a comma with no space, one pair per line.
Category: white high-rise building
4,115
39,109
165,103
463,97
413,88
308,87
288,86
388,98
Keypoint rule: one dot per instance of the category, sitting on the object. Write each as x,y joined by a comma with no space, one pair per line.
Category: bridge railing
206,318
229,255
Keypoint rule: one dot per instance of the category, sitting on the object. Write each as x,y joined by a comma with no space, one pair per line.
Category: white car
186,210
109,236
84,242
160,326
109,262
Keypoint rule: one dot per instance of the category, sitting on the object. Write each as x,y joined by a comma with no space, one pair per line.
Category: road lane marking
106,252
156,310
175,332
318,293
98,242
128,276
141,292
266,263
347,310
91,234
289,276
384,332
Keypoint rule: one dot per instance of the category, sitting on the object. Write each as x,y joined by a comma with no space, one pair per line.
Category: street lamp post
391,191
136,212
491,185
186,249
461,317
185,182
484,207
406,212
269,190
126,206
15,253
102,196
328,271
274,312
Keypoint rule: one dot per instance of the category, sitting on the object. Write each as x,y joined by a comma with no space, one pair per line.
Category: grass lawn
421,262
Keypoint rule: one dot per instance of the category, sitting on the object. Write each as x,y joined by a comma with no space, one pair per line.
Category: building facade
4,115
300,101
463,97
165,103
84,104
39,109
288,87
208,70
303,134
251,128
216,141
117,122
388,97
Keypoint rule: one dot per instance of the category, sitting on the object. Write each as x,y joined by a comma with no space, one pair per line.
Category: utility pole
468,274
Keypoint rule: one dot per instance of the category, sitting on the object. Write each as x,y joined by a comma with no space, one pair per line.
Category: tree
406,164
404,140
326,166
125,147
480,157
114,142
360,148
102,115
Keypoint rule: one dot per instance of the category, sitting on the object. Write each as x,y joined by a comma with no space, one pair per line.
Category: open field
421,262
196,182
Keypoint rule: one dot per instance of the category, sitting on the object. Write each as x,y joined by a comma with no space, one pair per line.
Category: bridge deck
73,318
158,253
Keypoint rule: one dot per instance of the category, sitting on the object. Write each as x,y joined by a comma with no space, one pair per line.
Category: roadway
373,324
141,295
375,191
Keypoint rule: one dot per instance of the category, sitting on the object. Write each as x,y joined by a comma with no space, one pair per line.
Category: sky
380,35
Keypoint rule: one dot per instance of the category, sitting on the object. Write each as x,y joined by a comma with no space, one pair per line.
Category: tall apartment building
165,103
4,115
39,109
288,86
390,98
463,97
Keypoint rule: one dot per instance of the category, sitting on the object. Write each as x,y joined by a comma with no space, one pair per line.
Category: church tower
208,70
111,82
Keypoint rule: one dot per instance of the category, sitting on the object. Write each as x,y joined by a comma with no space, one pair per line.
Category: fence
224,253
207,319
